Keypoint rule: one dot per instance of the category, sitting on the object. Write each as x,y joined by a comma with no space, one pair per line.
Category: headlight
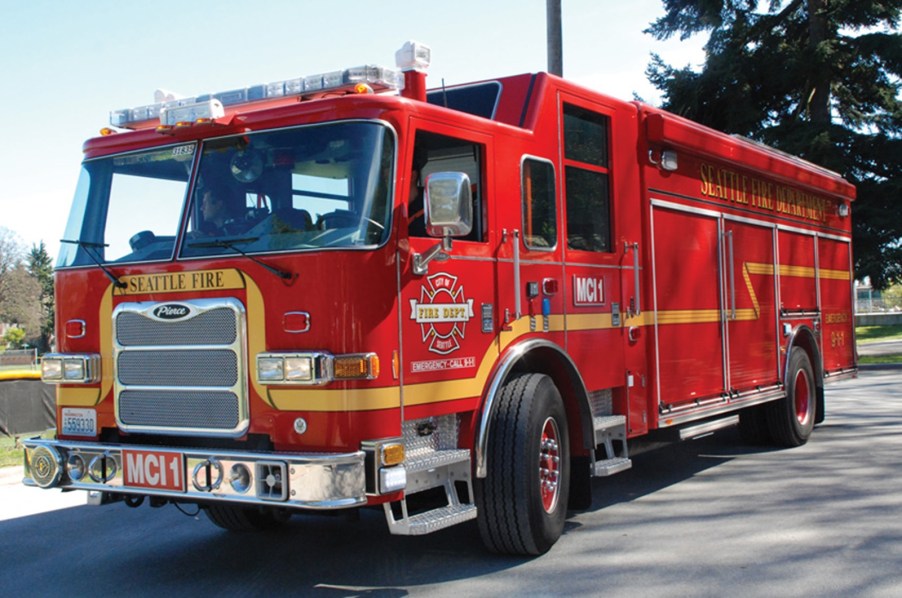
270,369
294,368
62,368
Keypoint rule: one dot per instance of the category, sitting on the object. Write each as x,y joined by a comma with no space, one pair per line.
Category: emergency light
172,111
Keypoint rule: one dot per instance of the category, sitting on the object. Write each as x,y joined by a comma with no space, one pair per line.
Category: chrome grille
214,327
179,409
183,373
207,367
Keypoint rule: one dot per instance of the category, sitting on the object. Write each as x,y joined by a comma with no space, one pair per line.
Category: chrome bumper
303,481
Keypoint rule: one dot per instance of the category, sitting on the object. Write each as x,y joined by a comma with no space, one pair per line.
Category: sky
66,65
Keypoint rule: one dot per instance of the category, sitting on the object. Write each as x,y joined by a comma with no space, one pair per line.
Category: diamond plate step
608,467
436,519
434,459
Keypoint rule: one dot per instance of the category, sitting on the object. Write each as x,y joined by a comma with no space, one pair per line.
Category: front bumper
303,481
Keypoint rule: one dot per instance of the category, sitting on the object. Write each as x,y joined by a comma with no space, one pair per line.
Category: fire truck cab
342,290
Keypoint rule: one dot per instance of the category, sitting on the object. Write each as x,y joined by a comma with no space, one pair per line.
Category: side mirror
448,205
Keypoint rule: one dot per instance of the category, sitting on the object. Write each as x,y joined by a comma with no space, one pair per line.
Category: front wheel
791,419
239,518
523,499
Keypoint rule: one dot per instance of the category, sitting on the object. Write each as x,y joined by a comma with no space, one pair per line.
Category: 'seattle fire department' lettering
732,186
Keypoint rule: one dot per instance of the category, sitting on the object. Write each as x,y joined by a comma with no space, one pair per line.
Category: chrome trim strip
717,406
839,375
662,203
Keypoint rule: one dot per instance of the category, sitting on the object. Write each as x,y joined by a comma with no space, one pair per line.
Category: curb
880,366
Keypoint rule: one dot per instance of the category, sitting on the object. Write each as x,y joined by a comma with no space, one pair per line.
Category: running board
707,427
610,429
434,469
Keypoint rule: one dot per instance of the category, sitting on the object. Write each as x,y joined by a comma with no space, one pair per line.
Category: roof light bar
212,106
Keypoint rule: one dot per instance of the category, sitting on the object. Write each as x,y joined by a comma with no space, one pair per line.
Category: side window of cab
441,153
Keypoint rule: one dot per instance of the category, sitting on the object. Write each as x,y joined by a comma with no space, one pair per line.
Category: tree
21,306
815,78
40,267
10,257
20,292
14,338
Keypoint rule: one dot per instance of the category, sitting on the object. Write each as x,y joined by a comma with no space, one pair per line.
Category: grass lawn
873,334
10,453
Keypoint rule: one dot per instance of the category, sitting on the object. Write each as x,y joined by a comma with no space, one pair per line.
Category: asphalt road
709,517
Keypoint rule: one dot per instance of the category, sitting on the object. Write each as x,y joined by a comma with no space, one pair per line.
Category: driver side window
441,153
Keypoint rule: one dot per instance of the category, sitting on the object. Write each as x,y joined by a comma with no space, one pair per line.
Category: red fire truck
344,290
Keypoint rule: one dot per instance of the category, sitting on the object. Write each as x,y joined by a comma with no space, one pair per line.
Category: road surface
709,517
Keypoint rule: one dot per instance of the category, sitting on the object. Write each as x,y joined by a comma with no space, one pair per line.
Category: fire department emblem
442,312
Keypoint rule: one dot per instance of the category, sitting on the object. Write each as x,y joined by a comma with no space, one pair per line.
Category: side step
610,429
708,427
434,469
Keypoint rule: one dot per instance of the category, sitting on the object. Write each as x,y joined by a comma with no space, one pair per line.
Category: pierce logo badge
171,311
442,313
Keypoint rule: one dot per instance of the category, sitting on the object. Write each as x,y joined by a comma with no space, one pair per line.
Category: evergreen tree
40,267
815,78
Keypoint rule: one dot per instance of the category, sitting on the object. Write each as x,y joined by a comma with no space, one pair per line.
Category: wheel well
557,366
804,339
542,357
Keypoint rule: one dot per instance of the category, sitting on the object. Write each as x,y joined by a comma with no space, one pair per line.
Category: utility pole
555,38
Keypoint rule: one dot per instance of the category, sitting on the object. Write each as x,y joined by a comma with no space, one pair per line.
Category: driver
217,212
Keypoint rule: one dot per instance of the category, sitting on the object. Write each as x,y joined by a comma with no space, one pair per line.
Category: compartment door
751,313
689,333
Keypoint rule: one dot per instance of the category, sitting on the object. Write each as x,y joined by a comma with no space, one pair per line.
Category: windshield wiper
87,246
231,244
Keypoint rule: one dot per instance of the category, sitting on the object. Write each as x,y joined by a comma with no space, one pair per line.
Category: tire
791,419
245,519
753,427
522,502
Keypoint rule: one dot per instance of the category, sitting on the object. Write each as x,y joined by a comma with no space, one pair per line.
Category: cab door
592,256
447,314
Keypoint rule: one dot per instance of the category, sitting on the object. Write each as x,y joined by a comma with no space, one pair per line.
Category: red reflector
75,328
296,322
549,286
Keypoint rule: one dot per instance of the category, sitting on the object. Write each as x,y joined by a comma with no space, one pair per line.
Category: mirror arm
437,251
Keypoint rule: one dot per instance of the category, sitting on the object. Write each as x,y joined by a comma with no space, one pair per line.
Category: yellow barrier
20,375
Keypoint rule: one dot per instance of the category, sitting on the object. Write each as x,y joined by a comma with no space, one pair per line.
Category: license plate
157,470
79,422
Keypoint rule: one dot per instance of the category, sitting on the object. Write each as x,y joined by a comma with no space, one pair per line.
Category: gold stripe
256,334
747,314
77,397
765,269
688,316
746,275
797,271
836,274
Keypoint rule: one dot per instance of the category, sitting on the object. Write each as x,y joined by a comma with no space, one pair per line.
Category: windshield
325,186
304,188
128,207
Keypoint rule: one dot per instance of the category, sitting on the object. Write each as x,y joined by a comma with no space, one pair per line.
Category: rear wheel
523,499
245,519
791,419
753,427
